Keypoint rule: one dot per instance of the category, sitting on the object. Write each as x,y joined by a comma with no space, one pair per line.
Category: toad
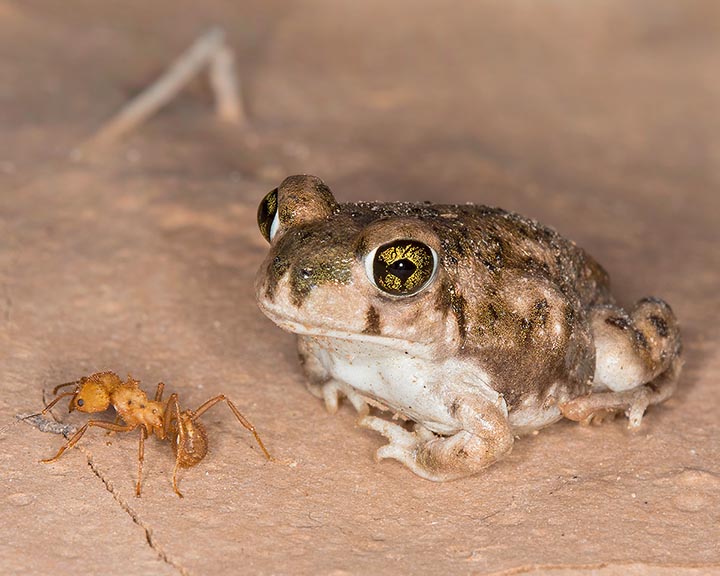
476,324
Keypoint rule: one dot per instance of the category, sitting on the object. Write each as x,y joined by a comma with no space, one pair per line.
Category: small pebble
20,499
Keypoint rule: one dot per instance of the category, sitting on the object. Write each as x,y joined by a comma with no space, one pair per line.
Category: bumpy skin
515,329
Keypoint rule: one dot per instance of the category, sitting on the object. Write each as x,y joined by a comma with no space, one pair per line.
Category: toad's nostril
305,273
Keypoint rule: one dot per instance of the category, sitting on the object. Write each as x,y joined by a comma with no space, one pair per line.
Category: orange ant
96,393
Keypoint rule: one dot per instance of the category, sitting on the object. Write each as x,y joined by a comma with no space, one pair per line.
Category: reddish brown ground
600,118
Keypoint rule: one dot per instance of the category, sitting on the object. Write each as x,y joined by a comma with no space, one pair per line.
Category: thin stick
45,425
225,86
209,49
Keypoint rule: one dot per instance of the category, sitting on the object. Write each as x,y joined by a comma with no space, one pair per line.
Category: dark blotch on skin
449,300
442,299
305,278
617,322
454,407
525,329
277,269
640,339
458,304
491,254
534,266
541,312
492,313
372,322
660,325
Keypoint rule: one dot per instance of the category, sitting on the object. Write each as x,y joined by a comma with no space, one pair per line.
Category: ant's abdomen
191,448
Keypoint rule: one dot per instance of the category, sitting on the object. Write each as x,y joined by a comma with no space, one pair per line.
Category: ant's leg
141,459
175,470
75,437
172,412
56,400
159,391
117,421
244,421
174,406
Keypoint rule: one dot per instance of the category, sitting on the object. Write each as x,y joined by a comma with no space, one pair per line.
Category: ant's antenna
36,419
74,383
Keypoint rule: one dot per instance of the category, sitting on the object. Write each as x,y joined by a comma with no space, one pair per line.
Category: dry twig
209,50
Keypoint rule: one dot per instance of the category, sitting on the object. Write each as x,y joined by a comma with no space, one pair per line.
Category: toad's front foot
333,391
441,458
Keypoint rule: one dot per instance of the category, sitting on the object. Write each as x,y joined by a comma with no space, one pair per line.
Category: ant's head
90,397
92,394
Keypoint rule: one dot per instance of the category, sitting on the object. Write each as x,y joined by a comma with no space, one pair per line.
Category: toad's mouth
303,329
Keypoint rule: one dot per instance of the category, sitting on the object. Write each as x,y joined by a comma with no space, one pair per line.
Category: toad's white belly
408,383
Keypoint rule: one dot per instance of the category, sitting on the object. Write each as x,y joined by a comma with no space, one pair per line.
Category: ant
186,434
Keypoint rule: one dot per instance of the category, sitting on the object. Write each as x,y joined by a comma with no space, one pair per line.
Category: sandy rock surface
597,118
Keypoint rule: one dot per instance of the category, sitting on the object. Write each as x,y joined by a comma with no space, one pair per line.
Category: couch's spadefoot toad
473,322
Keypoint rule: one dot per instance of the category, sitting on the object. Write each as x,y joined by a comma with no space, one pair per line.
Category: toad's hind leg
637,362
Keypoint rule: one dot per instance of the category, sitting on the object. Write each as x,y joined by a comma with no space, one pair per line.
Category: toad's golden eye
402,267
267,216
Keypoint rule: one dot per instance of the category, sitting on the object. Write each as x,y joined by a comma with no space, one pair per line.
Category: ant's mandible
182,428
